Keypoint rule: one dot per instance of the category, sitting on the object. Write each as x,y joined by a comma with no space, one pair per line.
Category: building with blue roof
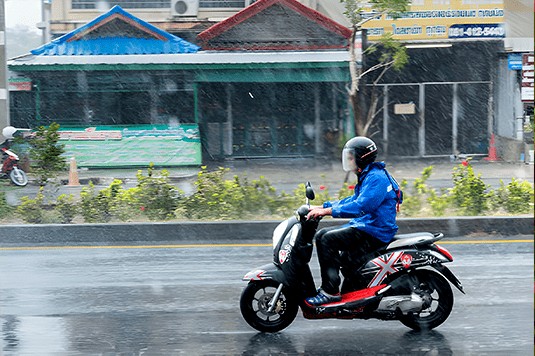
118,71
270,81
116,32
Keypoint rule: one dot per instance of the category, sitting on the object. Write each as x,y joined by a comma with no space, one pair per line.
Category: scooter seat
418,238
414,234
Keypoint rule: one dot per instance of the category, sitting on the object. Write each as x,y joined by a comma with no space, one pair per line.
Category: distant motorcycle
404,281
11,169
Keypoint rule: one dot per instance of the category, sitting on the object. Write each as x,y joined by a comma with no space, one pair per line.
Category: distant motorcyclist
372,209
8,132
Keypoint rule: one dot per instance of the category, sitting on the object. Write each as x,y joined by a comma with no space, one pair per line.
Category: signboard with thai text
133,146
527,77
432,19
514,61
20,84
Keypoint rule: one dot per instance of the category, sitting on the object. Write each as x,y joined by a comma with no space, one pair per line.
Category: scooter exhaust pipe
405,303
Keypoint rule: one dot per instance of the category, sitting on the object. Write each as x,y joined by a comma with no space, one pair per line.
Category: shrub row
468,196
155,199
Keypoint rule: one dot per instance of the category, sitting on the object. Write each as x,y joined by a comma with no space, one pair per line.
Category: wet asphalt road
177,300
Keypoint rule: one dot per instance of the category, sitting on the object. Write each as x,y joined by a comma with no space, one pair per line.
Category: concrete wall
233,231
509,149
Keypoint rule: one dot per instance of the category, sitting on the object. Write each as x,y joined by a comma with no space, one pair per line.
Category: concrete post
4,92
421,112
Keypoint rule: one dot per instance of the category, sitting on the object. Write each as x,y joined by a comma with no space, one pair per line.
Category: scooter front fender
267,271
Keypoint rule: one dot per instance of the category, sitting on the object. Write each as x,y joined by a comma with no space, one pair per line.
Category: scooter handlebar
303,211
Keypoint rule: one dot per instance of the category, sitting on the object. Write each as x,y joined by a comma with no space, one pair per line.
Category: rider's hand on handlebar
318,212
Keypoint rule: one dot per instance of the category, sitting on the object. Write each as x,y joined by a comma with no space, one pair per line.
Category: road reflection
270,344
350,342
170,334
186,302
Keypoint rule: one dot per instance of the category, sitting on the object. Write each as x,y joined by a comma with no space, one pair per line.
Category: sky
23,12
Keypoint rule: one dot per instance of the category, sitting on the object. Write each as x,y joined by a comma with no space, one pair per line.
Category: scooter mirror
309,192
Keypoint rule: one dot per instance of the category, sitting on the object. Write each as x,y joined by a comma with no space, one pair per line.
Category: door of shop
272,120
450,118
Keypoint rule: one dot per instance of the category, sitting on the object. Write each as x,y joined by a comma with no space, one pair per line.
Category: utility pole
44,25
4,92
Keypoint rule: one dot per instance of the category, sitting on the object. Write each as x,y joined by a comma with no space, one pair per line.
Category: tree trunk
355,89
356,105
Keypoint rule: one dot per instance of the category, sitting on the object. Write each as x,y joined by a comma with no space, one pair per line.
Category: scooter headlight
278,232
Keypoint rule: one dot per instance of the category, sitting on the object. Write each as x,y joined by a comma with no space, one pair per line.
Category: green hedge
154,198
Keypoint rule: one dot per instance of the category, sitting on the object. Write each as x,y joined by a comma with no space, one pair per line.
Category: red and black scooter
404,281
10,168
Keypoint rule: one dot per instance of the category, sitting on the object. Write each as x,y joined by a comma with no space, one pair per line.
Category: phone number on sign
460,31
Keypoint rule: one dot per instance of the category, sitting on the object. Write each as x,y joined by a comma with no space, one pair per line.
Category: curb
236,231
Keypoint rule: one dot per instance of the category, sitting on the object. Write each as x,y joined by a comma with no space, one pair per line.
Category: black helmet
358,152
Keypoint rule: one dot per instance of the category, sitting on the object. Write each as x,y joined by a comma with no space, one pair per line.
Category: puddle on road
33,334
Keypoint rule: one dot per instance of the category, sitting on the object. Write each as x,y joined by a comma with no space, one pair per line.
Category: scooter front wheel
255,303
18,177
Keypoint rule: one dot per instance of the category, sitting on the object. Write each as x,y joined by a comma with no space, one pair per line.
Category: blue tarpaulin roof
92,39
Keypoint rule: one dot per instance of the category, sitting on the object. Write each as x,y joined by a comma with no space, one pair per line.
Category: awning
203,58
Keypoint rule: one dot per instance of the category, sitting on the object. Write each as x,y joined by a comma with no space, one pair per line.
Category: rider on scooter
372,209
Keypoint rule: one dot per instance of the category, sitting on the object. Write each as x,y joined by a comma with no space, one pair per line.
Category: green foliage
439,203
420,200
153,197
157,198
220,198
288,203
469,195
412,203
469,192
217,197
207,202
515,197
89,207
126,205
392,55
345,191
31,210
355,9
4,207
46,153
415,196
66,208
98,207
391,50
391,7
259,196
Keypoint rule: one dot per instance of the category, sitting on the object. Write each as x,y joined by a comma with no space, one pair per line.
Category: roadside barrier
238,231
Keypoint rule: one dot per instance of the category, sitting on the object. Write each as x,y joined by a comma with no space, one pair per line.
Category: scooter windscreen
281,230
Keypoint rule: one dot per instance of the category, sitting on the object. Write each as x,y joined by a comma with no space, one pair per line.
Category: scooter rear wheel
254,305
18,177
437,291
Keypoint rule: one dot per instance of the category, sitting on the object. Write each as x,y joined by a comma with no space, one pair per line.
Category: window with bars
126,4
223,3
482,2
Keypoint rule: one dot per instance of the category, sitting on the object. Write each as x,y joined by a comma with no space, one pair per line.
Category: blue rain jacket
372,208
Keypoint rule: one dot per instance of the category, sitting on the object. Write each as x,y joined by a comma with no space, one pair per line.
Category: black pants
330,241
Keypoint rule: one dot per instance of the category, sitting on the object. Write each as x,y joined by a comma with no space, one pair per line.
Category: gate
450,118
